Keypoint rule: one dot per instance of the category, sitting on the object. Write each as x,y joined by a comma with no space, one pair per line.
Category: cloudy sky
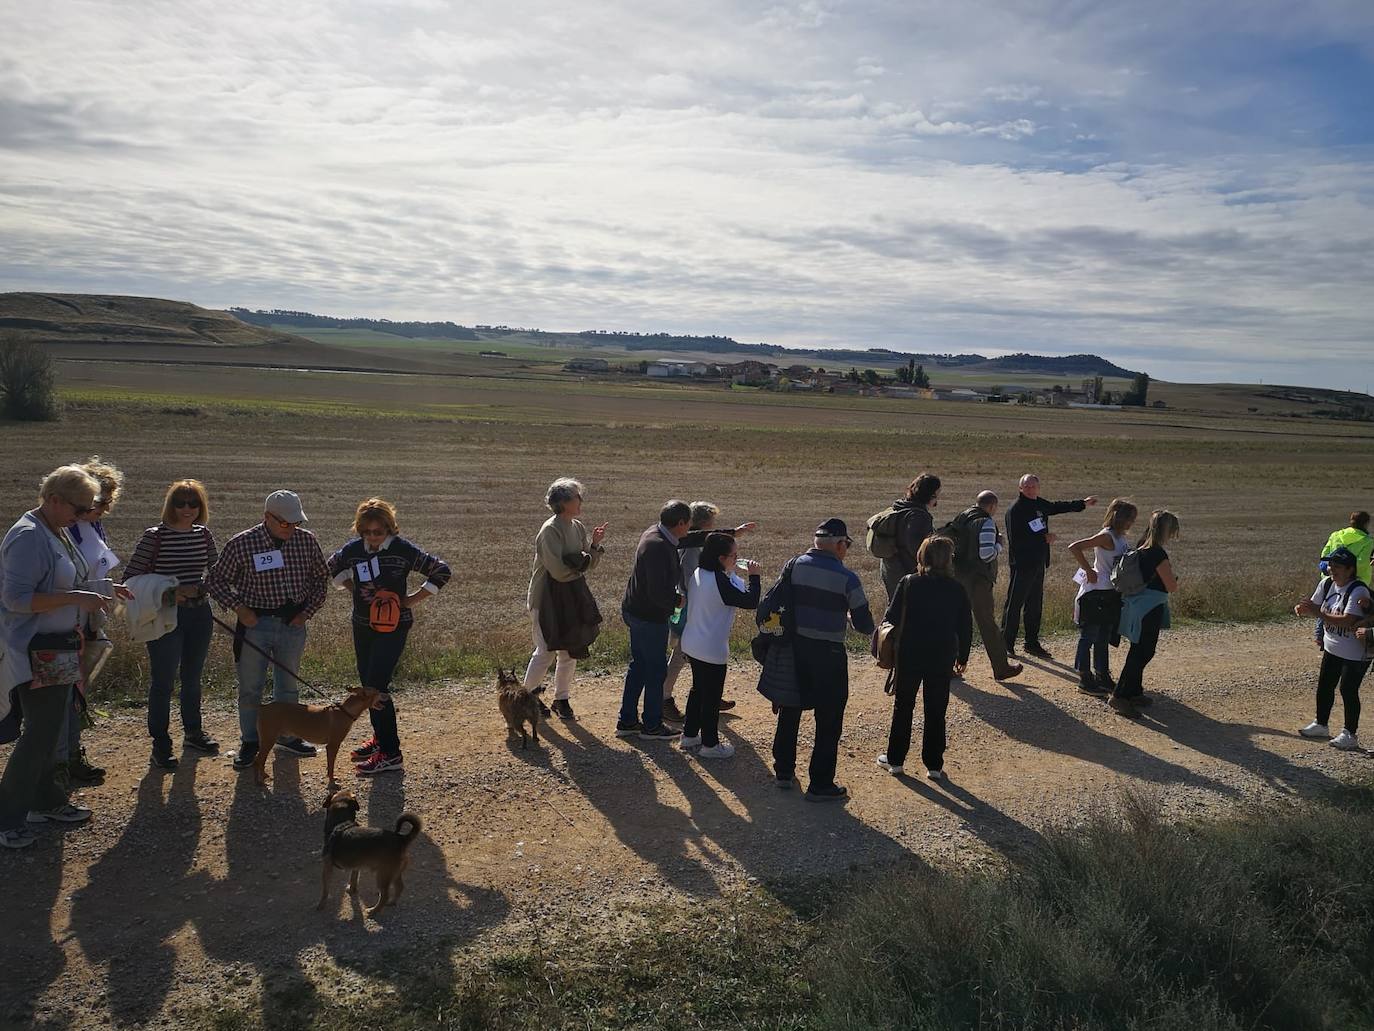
1181,187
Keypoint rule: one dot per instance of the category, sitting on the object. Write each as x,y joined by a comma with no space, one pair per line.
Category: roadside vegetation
1264,920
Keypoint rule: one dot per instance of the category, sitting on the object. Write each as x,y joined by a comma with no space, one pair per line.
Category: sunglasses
186,503
280,521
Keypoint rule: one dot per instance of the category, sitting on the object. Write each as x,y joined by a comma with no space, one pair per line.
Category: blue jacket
1135,607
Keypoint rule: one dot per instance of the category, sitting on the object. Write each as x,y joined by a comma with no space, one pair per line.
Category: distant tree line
305,320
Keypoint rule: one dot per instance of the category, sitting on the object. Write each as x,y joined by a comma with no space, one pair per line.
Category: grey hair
1029,478
703,512
561,491
986,497
70,483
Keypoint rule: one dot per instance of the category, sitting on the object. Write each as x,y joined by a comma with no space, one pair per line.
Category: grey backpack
1127,576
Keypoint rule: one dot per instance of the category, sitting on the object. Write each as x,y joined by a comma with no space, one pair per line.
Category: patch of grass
735,962
1265,920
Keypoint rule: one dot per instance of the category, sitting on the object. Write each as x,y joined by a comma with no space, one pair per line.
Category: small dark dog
518,705
350,847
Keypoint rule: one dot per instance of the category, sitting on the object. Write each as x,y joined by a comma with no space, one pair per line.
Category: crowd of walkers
60,579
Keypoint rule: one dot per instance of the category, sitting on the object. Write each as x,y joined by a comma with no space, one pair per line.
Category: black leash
280,665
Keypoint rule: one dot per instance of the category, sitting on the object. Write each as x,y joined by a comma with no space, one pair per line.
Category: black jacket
939,625
1026,545
652,591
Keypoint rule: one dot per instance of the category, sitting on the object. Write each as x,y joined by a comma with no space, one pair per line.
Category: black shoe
660,733
80,771
562,708
834,793
1088,684
726,703
201,742
1105,681
544,710
1039,651
167,761
248,751
296,746
1011,649
671,711
628,729
785,783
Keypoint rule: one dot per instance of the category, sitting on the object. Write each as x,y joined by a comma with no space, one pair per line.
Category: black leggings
1348,673
377,655
1132,682
702,715
933,728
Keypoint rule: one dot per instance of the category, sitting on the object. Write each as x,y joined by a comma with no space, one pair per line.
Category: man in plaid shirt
274,578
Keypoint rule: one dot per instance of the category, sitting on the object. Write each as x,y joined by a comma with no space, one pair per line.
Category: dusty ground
196,886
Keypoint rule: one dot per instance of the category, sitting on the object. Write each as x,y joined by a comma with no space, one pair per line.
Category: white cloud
979,177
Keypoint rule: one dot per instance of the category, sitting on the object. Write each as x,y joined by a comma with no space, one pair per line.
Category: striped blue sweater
824,597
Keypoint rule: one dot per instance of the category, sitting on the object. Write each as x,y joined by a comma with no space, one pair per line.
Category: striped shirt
184,554
259,571
825,597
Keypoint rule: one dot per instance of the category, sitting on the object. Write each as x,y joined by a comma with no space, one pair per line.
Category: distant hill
105,319
874,357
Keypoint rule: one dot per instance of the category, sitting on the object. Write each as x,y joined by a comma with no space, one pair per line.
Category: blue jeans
377,656
648,667
181,650
1092,650
284,643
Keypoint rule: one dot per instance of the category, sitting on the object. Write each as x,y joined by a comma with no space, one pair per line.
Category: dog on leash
518,706
327,723
352,848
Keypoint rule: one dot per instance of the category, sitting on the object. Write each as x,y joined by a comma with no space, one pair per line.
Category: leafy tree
871,378
1140,388
28,383
920,379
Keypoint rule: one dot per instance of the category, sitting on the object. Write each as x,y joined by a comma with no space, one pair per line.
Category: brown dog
518,705
327,723
350,847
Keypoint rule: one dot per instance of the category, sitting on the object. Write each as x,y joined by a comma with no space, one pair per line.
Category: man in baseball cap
274,577
823,598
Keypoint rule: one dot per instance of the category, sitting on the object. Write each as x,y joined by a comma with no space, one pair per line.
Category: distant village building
676,367
749,373
588,365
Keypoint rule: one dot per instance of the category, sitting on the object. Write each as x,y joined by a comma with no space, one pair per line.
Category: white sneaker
720,751
1315,729
935,774
688,743
1345,741
66,813
893,768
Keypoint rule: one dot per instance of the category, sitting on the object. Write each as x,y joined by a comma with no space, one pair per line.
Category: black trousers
1025,598
936,696
1347,673
1132,681
823,678
702,715
377,656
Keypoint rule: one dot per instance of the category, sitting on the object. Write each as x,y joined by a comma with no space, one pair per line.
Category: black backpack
961,531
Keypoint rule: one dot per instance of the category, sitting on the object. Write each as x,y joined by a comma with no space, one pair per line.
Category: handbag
887,639
55,659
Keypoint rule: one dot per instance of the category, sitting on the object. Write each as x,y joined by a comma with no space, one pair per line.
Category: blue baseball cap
1341,556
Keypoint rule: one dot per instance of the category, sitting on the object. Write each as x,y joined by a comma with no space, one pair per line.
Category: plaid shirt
300,579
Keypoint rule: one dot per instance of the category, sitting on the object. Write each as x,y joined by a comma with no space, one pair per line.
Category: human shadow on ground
1234,743
30,959
1053,667
991,825
734,815
1026,716
259,917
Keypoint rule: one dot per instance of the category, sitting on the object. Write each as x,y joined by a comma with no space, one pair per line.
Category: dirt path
197,885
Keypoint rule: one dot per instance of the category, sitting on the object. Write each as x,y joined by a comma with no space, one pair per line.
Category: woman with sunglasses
181,545
376,566
41,607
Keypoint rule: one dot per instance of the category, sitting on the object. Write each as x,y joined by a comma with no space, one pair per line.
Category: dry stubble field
581,845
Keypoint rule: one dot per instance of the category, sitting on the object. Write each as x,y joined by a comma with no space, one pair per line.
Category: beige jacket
557,540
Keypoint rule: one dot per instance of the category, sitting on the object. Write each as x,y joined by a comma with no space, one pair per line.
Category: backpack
881,535
1127,576
960,531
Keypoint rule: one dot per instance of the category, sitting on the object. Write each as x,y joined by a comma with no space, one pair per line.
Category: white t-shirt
1336,601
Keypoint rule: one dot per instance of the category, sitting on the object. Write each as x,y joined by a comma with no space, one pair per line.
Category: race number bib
265,560
1037,525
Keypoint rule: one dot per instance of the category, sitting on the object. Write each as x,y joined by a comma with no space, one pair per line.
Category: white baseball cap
286,506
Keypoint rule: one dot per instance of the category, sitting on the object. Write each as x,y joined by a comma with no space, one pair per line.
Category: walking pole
280,665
